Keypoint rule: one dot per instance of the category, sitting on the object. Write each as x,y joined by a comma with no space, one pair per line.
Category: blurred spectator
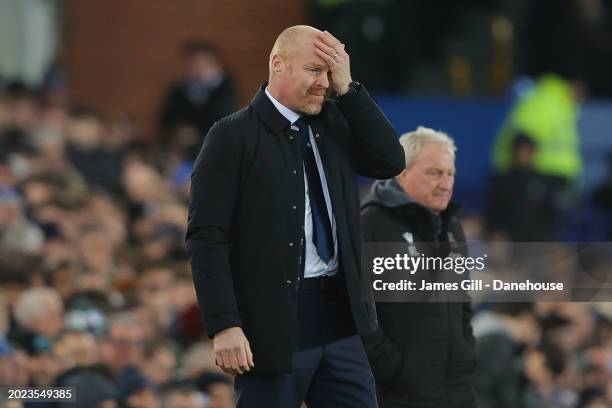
126,336
219,388
183,395
136,390
553,326
165,241
547,370
121,133
548,115
19,117
521,204
18,271
570,326
92,389
538,115
501,336
188,325
86,311
203,96
76,349
39,315
17,142
160,362
40,190
154,284
145,190
156,292
97,254
99,165
198,358
23,108
17,233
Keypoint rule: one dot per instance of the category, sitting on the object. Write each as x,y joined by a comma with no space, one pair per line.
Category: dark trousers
330,368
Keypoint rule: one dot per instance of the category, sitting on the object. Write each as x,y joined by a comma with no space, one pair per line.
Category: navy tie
322,232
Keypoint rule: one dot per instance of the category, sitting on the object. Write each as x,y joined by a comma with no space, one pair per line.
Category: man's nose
323,81
447,182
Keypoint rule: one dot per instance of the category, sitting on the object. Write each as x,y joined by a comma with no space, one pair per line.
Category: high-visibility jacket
549,115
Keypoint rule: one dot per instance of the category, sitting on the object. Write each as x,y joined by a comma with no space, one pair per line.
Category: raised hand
332,51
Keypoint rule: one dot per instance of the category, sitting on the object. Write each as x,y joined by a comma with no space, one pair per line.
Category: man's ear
402,175
403,179
277,64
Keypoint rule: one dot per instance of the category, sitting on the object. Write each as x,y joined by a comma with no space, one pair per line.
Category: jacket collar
274,120
268,113
290,115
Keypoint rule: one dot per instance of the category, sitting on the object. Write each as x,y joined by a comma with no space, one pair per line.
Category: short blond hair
413,142
33,303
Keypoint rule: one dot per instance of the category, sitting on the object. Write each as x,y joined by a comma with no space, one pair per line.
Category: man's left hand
331,50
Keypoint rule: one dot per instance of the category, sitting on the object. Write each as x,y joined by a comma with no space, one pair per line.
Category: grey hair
413,142
33,303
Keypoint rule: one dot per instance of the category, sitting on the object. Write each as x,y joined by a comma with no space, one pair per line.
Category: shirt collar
290,115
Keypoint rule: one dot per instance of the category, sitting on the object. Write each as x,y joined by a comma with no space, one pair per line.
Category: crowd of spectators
547,354
95,284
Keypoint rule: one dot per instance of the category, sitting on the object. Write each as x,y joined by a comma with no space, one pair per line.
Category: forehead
303,50
435,154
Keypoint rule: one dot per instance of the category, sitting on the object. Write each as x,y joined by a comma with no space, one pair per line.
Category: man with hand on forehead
274,234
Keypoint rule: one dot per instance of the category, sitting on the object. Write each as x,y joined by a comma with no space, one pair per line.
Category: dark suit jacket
246,215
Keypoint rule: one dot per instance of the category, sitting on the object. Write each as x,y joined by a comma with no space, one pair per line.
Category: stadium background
105,243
